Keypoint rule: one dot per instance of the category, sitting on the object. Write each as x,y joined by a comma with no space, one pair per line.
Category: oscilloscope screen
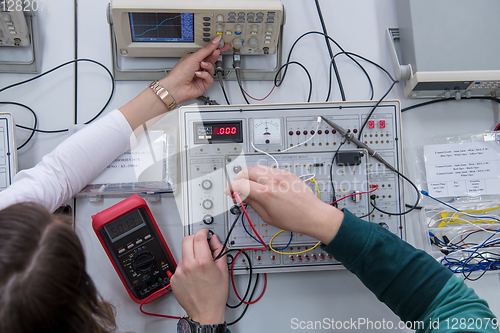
162,27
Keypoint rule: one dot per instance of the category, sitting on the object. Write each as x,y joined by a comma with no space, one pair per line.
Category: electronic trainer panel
216,143
8,163
167,28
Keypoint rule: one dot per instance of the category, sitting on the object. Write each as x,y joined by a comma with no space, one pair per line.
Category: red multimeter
136,248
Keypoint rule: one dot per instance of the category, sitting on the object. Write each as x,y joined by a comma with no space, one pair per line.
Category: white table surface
359,26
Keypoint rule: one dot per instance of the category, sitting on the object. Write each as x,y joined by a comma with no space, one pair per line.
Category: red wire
155,314
236,194
496,127
258,99
232,277
375,187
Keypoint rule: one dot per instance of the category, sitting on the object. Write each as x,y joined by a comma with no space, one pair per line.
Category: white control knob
255,28
253,43
206,184
237,29
468,94
207,204
237,43
220,18
458,96
221,43
7,18
269,28
219,28
447,94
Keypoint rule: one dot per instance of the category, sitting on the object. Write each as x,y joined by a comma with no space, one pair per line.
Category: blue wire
244,227
242,222
289,241
458,210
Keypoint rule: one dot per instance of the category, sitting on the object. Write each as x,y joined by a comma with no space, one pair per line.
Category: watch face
183,326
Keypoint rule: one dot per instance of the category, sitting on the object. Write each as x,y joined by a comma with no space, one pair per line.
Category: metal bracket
401,72
157,74
32,66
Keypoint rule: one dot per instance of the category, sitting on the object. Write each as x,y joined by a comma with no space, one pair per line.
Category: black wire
35,122
373,110
411,208
249,281
247,305
332,61
221,83
333,64
56,68
244,96
297,63
296,41
371,212
411,107
334,198
221,253
225,96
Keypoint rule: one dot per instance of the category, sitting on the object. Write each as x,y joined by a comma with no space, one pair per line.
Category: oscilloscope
168,28
219,141
13,28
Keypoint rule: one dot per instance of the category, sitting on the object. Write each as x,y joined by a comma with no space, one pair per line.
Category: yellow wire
279,232
312,180
273,249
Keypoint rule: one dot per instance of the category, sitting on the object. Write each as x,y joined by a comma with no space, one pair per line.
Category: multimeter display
125,225
136,248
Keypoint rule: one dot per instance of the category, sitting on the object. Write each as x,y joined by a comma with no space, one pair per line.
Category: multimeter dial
143,262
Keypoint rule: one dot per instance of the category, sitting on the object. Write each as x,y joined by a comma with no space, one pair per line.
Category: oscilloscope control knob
6,18
206,184
253,43
207,204
143,262
220,18
237,43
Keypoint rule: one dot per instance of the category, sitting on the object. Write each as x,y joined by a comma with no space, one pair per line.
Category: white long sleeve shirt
72,164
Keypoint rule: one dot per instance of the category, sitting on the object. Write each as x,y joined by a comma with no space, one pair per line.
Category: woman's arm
81,157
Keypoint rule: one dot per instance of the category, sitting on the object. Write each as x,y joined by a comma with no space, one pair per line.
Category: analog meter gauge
267,131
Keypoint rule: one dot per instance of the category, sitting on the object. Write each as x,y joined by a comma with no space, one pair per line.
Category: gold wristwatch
163,94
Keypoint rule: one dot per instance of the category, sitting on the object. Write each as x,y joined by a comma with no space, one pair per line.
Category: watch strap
161,92
197,328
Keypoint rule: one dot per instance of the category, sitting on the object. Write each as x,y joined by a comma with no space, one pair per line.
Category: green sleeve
457,308
404,278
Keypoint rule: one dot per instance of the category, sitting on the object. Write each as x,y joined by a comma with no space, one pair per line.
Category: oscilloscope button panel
252,27
217,143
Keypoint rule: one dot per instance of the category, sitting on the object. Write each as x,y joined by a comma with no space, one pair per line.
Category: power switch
381,124
371,124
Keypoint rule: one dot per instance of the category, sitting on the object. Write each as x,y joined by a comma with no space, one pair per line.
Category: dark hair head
43,283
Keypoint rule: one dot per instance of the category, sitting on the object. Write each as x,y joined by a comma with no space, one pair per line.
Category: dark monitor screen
162,27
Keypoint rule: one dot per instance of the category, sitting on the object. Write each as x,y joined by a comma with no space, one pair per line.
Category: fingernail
216,40
203,63
198,72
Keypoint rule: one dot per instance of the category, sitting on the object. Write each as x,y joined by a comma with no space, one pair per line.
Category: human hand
283,200
200,284
192,74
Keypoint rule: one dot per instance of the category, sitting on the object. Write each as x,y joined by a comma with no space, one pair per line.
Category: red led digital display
218,132
225,130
